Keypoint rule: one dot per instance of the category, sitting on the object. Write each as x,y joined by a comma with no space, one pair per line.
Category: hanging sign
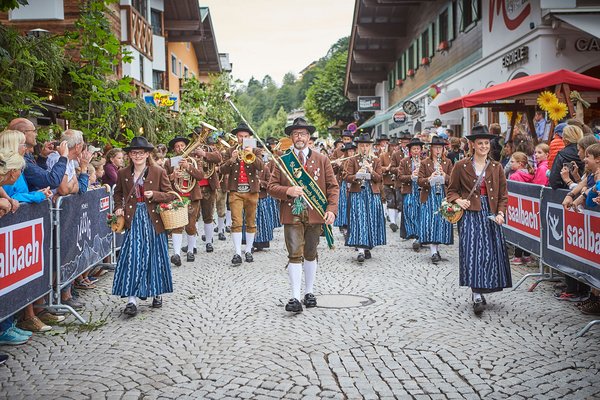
160,98
369,103
399,117
410,107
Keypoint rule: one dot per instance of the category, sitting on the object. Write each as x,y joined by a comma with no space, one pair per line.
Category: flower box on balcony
443,46
410,72
399,82
425,61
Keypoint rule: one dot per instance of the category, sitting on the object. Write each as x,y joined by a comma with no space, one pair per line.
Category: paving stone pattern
224,334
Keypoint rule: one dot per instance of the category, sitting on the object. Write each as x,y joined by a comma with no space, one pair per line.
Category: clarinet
415,163
438,168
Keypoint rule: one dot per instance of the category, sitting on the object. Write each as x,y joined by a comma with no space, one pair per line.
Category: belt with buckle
243,188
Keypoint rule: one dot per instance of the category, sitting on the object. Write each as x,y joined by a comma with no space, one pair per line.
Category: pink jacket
540,177
521,175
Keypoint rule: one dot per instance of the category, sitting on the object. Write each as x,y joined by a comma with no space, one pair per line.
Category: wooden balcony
139,31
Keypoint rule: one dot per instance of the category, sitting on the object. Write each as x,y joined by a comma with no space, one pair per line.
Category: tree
273,126
6,5
205,102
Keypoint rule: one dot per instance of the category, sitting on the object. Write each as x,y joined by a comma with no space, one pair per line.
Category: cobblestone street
224,334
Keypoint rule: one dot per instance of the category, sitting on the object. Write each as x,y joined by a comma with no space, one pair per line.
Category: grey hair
73,137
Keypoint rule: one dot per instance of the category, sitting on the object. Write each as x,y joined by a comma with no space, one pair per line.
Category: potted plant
410,72
443,46
425,61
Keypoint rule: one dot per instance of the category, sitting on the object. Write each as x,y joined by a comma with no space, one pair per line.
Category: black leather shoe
184,249
130,310
222,236
209,248
236,260
249,257
483,299
293,305
204,238
190,257
416,246
361,258
228,229
367,254
216,229
157,302
394,227
436,258
478,306
176,260
310,300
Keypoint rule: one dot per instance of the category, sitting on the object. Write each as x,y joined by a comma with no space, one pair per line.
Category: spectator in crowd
522,144
566,157
584,128
506,153
455,153
541,158
541,128
37,177
114,162
99,169
578,188
522,171
449,132
556,144
78,157
495,143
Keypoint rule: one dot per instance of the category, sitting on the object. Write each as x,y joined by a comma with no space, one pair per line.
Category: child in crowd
541,157
521,171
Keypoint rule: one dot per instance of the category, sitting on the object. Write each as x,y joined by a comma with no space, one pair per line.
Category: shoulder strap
479,179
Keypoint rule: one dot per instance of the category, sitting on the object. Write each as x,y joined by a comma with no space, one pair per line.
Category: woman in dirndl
341,221
366,222
408,174
434,175
483,259
265,217
143,268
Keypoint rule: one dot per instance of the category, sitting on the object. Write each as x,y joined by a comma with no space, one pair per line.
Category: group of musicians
307,191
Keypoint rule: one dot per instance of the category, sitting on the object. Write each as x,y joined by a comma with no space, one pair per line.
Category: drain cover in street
343,301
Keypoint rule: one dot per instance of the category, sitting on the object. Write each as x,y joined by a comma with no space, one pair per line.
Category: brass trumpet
186,183
247,156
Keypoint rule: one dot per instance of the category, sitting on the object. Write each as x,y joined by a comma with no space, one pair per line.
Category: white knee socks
237,242
221,222
392,214
208,232
228,218
310,272
191,243
249,242
295,276
177,240
433,248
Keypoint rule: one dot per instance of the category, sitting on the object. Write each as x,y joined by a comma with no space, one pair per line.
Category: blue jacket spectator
20,192
38,178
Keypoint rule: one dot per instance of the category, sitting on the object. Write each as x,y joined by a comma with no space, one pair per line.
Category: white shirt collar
305,151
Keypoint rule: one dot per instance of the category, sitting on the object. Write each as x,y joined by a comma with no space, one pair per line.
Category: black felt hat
139,143
414,142
300,123
404,135
480,132
438,141
348,146
178,139
242,127
382,137
364,138
347,133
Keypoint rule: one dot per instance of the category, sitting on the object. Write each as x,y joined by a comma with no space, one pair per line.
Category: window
431,40
469,13
156,22
185,72
179,70
391,83
141,6
445,25
141,68
424,45
157,79
173,64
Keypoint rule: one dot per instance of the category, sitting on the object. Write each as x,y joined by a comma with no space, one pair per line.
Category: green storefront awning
377,119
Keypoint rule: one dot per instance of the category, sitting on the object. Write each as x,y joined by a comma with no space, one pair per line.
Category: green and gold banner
312,191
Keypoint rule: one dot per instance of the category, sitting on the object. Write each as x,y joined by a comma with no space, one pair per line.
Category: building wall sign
369,103
506,21
399,117
515,56
587,44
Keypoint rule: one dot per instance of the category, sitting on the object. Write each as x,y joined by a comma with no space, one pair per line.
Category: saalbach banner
24,257
571,240
85,237
523,223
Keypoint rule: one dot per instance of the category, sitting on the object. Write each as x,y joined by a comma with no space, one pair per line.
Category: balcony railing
139,32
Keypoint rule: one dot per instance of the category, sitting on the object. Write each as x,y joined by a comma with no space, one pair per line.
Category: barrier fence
43,248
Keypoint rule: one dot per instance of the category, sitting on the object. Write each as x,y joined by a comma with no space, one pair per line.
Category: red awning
519,86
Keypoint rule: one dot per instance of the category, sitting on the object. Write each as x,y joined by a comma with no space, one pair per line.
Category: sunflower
509,115
546,99
557,111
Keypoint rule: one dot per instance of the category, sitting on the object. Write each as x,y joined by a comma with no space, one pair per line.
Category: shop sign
160,98
515,56
369,103
587,44
410,107
399,117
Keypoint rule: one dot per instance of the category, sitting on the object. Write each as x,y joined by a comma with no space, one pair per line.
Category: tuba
186,183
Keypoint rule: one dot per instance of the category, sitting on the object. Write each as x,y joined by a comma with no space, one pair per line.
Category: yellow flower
546,99
509,115
557,111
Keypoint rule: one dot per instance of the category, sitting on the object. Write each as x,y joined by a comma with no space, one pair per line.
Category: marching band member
434,175
243,186
389,193
265,219
302,227
366,225
341,220
395,208
209,158
181,172
408,173
478,185
143,268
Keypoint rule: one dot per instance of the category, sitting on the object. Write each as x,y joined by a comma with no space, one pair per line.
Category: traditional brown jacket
386,161
196,173
395,160
427,168
319,168
463,178
232,168
264,177
405,175
155,180
351,168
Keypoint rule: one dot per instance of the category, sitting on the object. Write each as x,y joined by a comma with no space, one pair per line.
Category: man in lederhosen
302,231
181,173
243,185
